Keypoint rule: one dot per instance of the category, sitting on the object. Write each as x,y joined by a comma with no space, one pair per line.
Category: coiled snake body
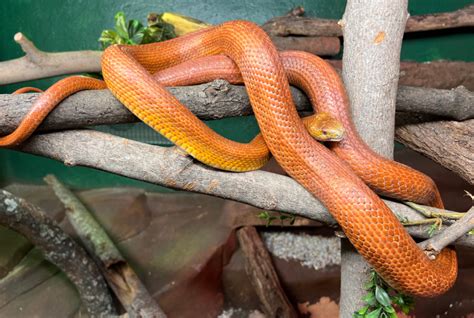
368,223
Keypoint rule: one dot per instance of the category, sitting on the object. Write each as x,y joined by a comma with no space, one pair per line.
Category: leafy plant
269,217
134,32
381,299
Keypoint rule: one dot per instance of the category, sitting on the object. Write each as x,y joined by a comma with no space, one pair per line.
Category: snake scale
245,54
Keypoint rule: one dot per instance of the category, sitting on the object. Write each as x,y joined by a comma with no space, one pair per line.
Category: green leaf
409,303
263,215
405,308
108,37
266,216
136,32
382,296
369,285
363,310
369,298
121,25
389,309
374,314
393,315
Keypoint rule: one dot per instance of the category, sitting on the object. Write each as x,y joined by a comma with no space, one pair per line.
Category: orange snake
250,57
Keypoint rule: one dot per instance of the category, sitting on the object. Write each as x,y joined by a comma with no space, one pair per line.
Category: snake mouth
335,139
331,135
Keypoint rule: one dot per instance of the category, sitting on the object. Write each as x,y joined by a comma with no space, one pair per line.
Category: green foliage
270,217
134,32
381,299
432,229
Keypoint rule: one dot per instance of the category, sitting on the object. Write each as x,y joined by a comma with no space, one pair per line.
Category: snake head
324,127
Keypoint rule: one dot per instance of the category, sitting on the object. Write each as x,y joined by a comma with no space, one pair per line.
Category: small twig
259,268
434,245
59,249
431,212
32,53
437,221
125,283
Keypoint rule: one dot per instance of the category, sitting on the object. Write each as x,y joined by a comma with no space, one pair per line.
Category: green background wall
62,25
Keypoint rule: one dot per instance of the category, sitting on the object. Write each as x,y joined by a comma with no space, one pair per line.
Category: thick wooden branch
460,18
219,99
449,143
215,100
307,26
38,64
457,103
59,249
373,32
259,268
318,45
434,74
123,280
171,168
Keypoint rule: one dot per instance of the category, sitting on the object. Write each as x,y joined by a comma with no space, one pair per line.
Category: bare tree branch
307,26
373,33
460,18
38,64
457,103
215,100
318,45
436,74
171,168
449,143
434,245
59,249
121,277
